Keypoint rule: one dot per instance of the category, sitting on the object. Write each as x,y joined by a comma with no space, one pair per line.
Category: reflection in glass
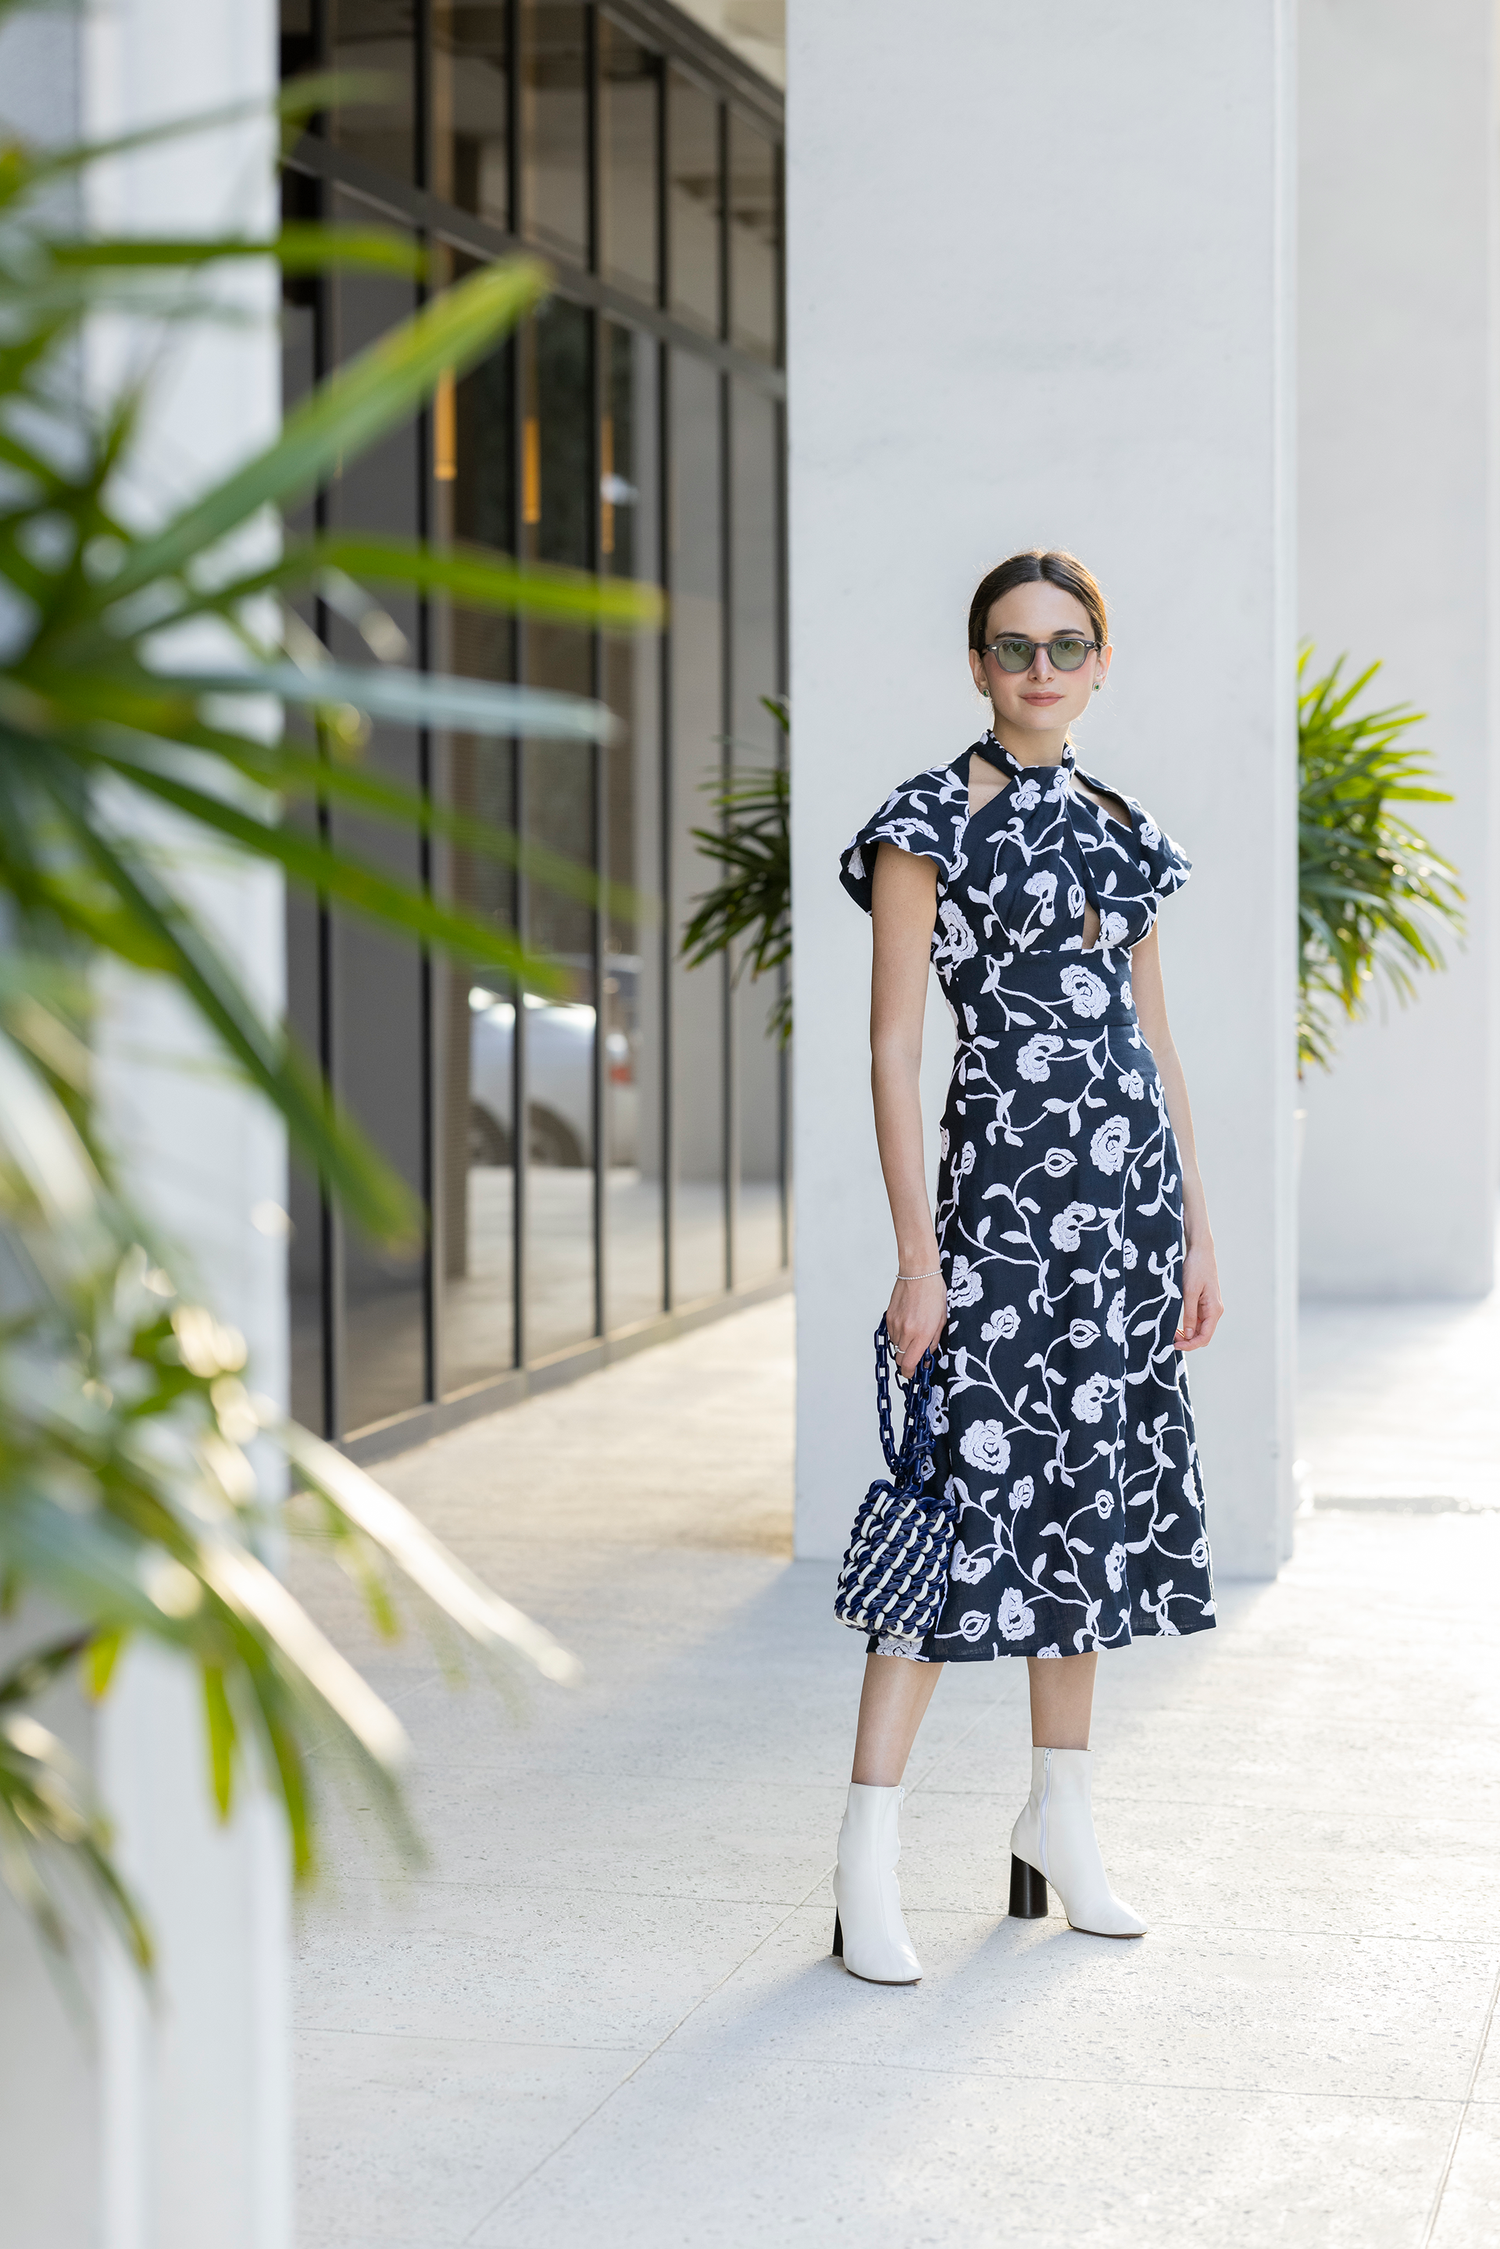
474,1009
303,934
470,163
754,577
375,36
630,78
754,240
379,1032
694,202
698,1214
553,77
628,546
558,813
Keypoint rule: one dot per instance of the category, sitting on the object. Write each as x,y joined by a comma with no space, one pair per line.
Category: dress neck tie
997,754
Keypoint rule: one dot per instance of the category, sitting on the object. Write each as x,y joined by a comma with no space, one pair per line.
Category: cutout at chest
986,783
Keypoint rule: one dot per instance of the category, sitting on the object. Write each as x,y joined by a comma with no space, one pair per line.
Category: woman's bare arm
904,910
1202,1305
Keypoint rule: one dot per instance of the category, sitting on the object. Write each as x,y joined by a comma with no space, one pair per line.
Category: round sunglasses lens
1013,655
1067,653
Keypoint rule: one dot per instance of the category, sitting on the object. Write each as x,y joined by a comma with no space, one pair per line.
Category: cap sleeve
1164,863
926,817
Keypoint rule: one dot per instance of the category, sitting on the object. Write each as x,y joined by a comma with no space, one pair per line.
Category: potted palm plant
129,1421
1373,896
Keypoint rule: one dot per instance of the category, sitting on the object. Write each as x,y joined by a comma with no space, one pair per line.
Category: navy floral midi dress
1063,1429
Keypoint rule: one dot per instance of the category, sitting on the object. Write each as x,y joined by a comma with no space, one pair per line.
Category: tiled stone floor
605,2012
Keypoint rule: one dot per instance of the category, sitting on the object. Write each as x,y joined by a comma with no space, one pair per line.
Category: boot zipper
1046,1791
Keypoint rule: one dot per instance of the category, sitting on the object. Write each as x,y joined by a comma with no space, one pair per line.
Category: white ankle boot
1054,1841
869,1935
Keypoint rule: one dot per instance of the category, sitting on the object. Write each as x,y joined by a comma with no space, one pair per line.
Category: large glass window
375,38
758,743
304,981
630,79
633,993
597,1151
470,163
474,1007
379,1030
558,800
754,239
554,81
698,1119
694,203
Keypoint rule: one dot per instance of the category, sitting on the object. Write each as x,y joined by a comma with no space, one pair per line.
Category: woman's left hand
1202,1305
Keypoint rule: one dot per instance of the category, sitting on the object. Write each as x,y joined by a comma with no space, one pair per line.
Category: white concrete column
1397,400
1040,293
169,2126
196,2095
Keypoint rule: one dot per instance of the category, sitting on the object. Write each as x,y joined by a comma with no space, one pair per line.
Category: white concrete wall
169,2127
1396,526
1040,292
197,2092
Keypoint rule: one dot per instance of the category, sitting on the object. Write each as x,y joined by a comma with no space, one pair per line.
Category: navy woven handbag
895,1573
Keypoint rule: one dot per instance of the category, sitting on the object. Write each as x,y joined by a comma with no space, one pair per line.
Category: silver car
560,1083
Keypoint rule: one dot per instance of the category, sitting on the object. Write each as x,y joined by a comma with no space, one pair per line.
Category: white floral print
1068,1225
1088,992
1014,1618
1034,1059
1109,1144
960,942
965,1285
1042,886
966,1568
1089,1398
1063,1432
984,1445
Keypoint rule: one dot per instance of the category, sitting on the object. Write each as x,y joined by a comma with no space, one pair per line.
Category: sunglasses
1065,654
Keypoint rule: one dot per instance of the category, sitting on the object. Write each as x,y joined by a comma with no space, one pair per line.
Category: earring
1097,685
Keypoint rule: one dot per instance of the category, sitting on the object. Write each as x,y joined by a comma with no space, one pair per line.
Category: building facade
634,427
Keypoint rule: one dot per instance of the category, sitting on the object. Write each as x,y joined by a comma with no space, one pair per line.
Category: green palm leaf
1373,894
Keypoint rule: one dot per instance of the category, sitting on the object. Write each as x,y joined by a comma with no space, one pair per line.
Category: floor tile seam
593,1890
630,2075
1236,1929
952,1749
622,1776
989,2075
459,2038
1435,2213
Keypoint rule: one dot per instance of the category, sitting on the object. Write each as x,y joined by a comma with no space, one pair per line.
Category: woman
1071,1264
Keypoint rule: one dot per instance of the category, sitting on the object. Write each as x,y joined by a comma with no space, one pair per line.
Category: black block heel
1028,1891
838,1936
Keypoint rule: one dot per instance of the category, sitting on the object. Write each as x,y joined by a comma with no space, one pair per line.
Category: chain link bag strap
895,1574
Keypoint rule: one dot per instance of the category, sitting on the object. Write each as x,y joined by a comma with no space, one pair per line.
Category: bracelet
935,1275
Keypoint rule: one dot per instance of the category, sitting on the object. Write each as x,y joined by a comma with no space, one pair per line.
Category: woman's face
1042,699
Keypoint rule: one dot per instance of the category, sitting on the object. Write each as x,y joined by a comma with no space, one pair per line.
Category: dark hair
1036,566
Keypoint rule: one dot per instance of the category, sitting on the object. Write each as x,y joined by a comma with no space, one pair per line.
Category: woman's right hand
914,1319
